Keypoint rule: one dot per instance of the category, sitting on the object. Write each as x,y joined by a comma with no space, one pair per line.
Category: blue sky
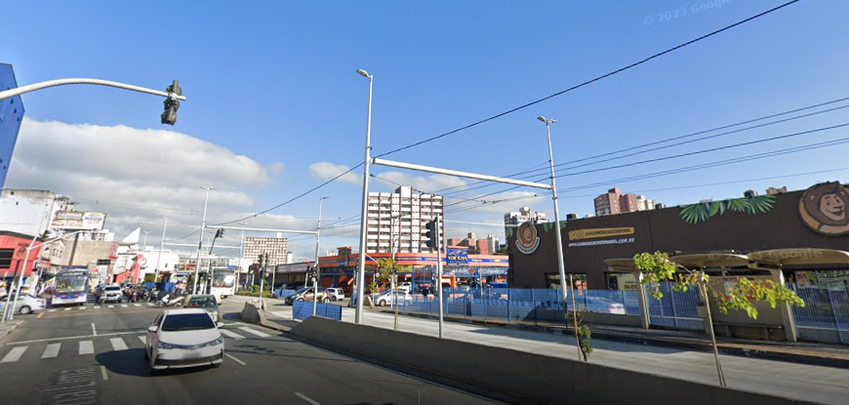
275,107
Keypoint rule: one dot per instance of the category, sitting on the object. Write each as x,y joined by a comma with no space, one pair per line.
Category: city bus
70,288
223,282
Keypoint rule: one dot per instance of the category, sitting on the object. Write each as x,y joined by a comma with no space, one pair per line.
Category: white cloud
324,171
137,175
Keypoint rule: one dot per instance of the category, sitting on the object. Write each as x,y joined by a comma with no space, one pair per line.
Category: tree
740,297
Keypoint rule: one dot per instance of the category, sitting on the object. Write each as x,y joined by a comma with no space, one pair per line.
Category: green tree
741,297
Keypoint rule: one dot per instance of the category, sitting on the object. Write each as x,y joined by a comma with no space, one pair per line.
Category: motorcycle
171,299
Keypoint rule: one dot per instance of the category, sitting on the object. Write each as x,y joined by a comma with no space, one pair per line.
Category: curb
8,329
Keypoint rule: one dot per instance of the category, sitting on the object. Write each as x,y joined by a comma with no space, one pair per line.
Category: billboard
79,220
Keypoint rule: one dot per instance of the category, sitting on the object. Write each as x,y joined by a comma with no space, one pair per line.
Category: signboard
79,220
457,257
599,233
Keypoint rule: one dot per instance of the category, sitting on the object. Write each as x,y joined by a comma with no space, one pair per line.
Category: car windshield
202,302
184,322
113,288
303,290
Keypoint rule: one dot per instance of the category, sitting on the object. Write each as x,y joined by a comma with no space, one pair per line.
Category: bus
223,282
70,288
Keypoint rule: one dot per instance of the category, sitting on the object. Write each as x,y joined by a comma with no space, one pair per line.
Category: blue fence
167,287
825,316
303,309
676,310
283,293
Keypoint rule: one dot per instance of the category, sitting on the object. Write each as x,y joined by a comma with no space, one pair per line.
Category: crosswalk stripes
49,351
110,306
82,307
136,305
68,309
52,310
123,305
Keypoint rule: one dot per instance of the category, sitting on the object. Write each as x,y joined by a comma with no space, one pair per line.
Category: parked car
386,297
186,337
308,294
26,304
111,293
336,294
596,304
207,302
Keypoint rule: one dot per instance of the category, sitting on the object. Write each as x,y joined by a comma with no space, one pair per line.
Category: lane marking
255,332
51,310
103,373
123,305
235,359
118,344
82,308
231,334
110,306
306,398
86,347
97,307
40,315
51,351
68,309
93,330
143,340
72,337
14,354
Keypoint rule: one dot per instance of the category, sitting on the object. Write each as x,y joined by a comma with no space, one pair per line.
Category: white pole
159,256
560,265
439,271
241,257
317,268
200,238
61,82
361,266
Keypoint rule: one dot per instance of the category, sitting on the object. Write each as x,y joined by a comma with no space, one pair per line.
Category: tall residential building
614,202
399,218
277,249
514,219
11,116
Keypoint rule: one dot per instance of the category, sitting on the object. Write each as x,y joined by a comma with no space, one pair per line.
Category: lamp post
200,238
159,256
144,244
241,256
560,266
317,268
361,265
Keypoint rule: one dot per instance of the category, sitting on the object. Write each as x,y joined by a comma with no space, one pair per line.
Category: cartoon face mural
823,209
527,240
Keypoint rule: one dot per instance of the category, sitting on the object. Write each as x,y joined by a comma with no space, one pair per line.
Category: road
94,354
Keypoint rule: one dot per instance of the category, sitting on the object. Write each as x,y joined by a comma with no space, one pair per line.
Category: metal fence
522,305
303,309
283,293
676,310
825,316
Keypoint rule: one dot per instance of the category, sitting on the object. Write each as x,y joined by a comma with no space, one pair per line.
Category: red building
13,247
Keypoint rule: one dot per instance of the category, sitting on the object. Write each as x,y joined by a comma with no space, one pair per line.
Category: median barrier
519,376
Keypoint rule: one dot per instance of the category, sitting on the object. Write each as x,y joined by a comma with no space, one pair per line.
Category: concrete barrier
524,377
251,313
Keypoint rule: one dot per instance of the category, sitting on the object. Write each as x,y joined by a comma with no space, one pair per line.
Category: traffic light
259,260
432,234
169,116
219,233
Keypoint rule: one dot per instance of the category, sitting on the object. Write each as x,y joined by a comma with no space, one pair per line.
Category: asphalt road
94,355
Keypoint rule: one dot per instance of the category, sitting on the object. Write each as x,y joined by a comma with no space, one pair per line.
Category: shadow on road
131,362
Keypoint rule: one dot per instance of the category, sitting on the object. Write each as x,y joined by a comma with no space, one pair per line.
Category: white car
26,304
180,338
336,294
387,297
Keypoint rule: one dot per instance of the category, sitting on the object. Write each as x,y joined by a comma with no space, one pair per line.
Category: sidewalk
8,326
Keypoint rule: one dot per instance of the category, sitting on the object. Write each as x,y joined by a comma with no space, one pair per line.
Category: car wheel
25,310
326,300
299,299
381,303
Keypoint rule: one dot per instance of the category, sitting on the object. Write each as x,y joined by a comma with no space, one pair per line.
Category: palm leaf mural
509,231
702,212
547,226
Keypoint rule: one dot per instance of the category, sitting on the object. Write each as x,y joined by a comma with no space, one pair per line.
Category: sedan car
180,338
111,293
387,297
308,294
27,303
595,304
207,302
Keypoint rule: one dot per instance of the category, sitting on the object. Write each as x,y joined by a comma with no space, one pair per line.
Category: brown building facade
815,218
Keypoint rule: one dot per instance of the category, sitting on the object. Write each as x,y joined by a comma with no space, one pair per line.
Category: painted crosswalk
105,306
45,350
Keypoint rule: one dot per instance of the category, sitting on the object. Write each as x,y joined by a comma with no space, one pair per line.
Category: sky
275,108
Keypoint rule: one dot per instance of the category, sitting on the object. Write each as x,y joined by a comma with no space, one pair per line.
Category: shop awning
621,265
800,257
702,260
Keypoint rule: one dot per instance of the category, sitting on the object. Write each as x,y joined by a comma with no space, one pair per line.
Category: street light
361,265
200,238
144,244
317,267
159,256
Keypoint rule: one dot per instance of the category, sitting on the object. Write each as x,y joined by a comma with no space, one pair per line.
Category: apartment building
396,221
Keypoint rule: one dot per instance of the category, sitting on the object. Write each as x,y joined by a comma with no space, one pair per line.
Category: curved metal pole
62,82
361,265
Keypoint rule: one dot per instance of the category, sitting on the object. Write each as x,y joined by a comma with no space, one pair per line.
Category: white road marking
51,310
305,398
118,344
110,306
68,309
51,351
14,354
93,330
231,334
255,332
136,305
97,307
86,347
71,338
81,308
150,304
123,305
103,373
235,359
143,339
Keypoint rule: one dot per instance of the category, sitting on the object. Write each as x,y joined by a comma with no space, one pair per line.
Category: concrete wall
524,376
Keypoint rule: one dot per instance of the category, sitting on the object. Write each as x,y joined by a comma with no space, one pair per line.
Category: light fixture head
541,118
362,72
